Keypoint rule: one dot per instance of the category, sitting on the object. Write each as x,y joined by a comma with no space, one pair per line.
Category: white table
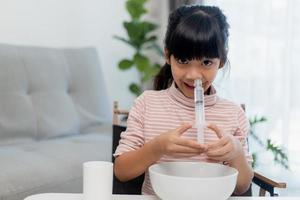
69,196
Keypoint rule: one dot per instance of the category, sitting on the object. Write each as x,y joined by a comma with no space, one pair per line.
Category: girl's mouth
189,86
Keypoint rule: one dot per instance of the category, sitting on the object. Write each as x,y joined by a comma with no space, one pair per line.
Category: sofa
54,115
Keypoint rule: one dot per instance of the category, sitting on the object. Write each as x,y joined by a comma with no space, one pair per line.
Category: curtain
176,3
264,52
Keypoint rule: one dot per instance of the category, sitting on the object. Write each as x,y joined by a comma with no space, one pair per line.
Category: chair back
129,187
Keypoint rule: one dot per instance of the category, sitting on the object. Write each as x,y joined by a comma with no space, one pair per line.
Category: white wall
77,23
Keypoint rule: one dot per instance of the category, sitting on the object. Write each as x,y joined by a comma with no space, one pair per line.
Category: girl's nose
194,73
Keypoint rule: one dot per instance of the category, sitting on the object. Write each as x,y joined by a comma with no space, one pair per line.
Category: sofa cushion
52,165
16,118
49,92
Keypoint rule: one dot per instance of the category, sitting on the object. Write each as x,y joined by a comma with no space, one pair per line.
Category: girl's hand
228,148
170,143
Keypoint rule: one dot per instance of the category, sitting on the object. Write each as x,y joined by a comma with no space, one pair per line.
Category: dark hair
194,32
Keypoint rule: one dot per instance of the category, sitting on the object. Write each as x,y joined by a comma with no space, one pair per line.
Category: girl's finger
181,155
185,149
183,128
190,143
220,158
216,129
219,152
216,145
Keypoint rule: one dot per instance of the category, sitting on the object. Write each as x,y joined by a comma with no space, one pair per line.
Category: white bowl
192,180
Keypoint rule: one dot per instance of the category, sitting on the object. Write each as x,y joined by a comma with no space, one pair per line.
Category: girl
195,48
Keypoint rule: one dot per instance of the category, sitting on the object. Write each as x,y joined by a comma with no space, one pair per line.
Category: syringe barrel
199,110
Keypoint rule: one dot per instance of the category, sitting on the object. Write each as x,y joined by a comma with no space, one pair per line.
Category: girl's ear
221,66
167,56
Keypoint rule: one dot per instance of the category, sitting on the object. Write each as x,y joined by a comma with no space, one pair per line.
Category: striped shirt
156,112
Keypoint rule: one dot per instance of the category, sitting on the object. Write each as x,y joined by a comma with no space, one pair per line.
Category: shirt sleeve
242,132
133,137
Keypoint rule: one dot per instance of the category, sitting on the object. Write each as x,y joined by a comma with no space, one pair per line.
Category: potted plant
279,155
141,39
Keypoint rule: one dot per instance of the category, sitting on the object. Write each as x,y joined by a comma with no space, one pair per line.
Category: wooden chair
134,186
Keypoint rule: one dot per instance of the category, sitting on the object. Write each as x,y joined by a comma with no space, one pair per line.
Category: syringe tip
198,82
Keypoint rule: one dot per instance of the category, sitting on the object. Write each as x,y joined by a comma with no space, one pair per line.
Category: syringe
199,110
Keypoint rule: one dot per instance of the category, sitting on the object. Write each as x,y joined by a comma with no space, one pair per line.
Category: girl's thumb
183,128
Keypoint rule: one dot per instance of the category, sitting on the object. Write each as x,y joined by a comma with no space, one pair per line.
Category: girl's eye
207,63
182,61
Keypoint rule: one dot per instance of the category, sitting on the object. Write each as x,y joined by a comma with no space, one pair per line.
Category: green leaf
157,48
125,64
256,138
125,40
146,77
255,120
132,29
147,27
280,156
254,163
136,8
141,62
134,33
138,31
150,72
150,39
135,89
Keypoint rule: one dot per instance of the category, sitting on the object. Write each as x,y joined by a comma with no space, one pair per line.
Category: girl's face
186,71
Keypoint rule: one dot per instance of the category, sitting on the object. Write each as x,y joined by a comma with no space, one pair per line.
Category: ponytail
164,78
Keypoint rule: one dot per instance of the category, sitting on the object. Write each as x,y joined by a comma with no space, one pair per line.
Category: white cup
97,180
